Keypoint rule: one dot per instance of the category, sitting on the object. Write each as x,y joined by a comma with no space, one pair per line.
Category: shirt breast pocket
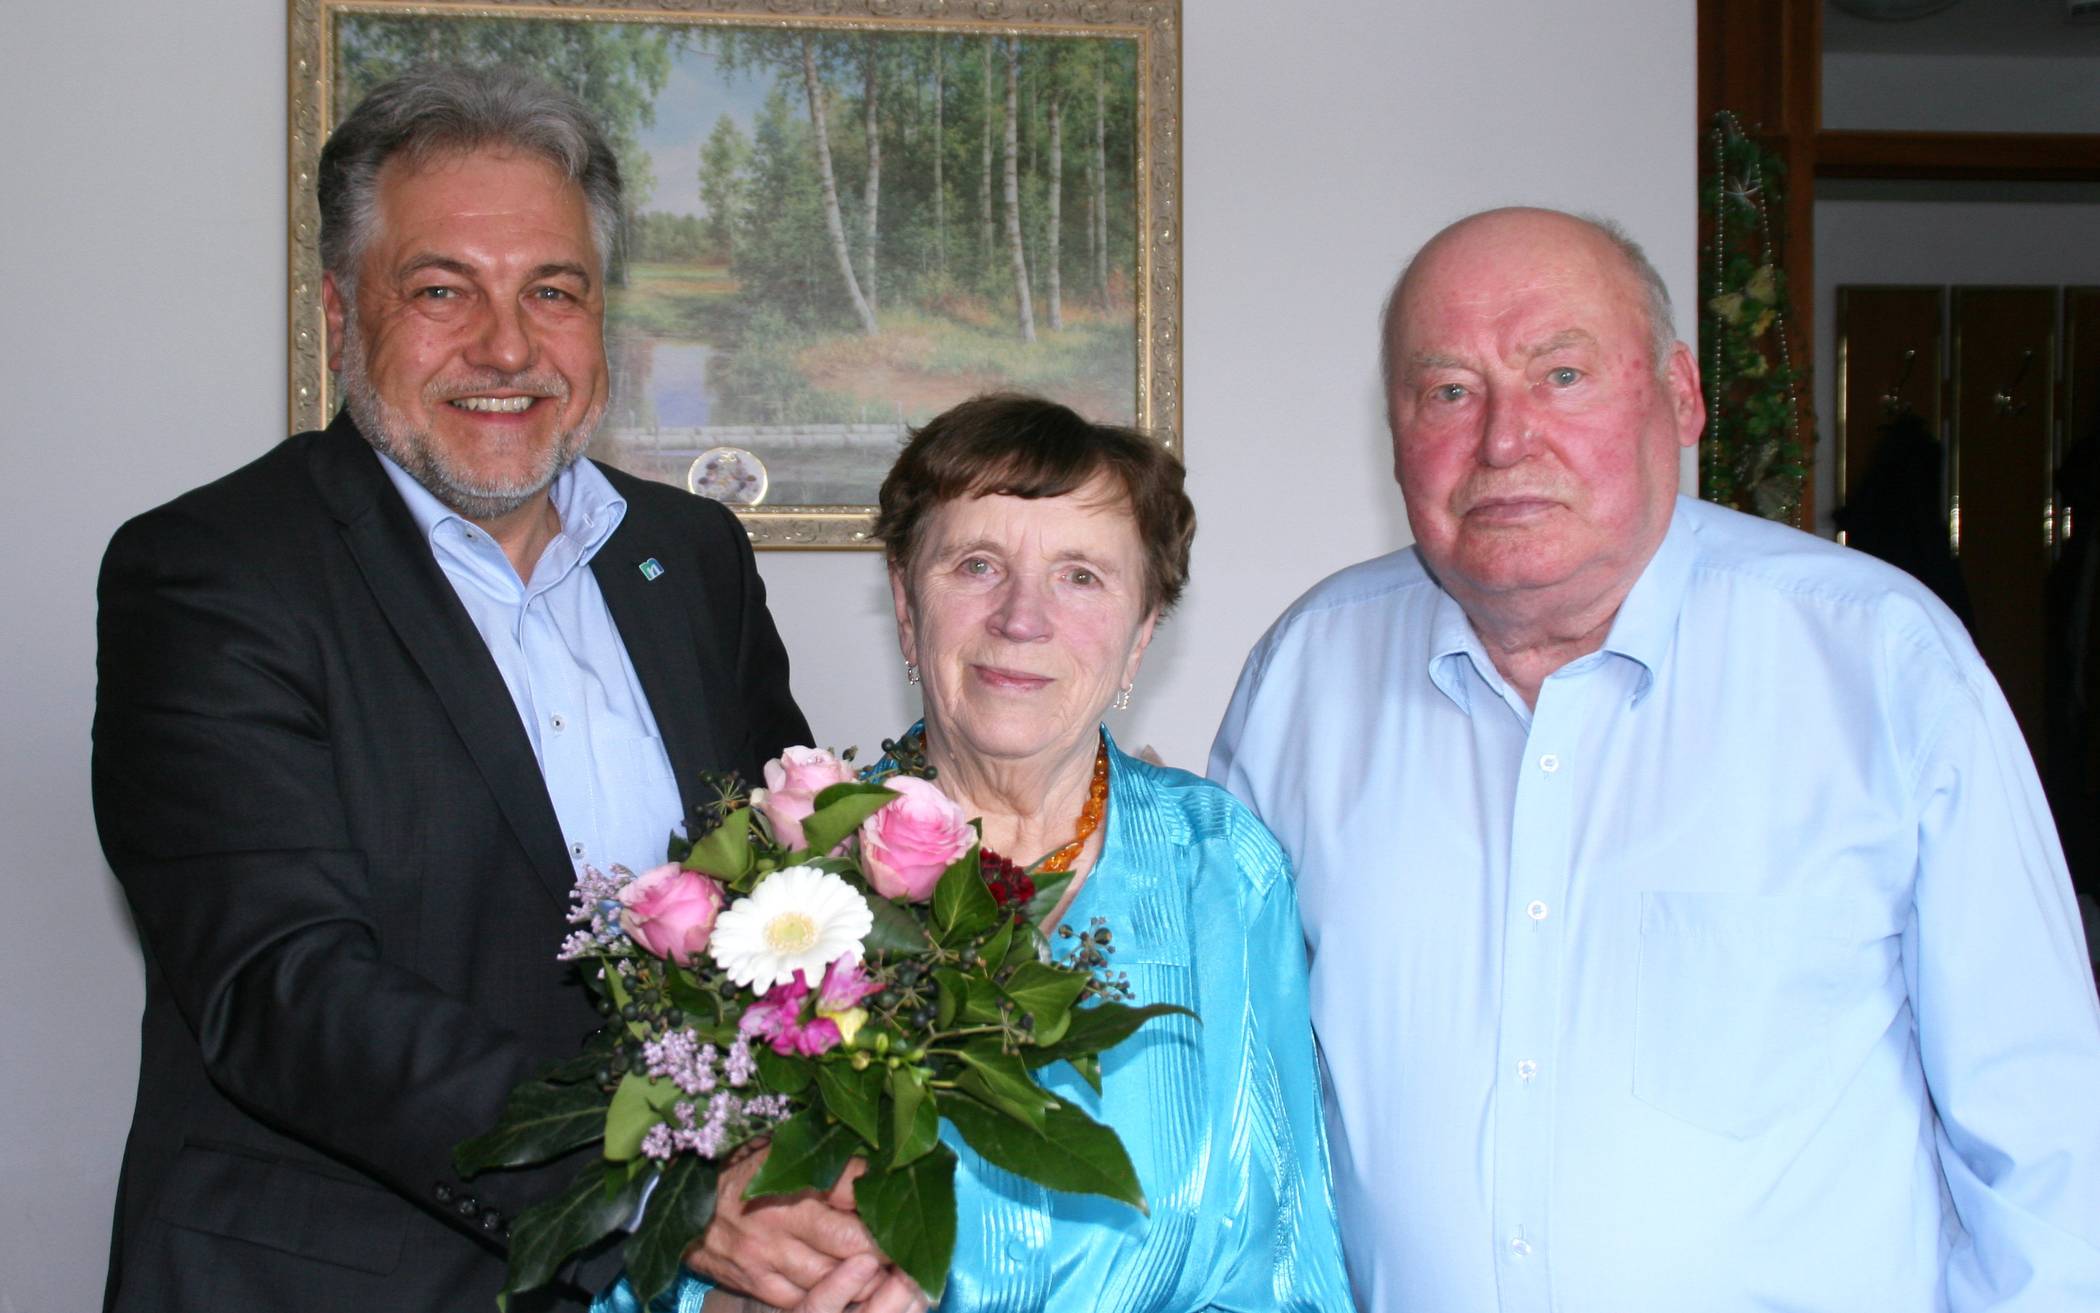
1735,1001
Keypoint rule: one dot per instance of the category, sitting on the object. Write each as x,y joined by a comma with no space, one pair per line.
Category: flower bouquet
831,964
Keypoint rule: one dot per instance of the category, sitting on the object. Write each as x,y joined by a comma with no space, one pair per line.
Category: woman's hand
806,1252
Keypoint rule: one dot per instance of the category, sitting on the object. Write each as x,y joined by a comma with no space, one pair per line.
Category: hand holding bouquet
834,965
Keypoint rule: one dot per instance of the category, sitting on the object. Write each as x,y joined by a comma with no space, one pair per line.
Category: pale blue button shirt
567,669
1742,973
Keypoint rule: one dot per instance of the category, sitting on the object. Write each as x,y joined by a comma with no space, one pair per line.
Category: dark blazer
348,880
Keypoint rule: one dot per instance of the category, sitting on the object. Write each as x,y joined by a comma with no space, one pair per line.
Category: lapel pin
650,570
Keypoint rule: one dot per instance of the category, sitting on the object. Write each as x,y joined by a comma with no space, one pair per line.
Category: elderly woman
1031,554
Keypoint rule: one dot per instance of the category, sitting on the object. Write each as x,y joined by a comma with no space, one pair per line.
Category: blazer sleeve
772,719
217,798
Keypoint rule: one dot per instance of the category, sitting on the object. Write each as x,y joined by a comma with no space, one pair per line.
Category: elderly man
1687,930
366,706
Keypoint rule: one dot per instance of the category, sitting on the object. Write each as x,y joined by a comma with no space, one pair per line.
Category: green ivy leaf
780,1073
1099,1028
896,930
1073,1152
541,1121
638,1104
725,851
981,1003
703,1008
1047,994
839,811
1048,890
911,1213
679,1210
677,848
544,1236
804,1156
914,1122
582,1067
853,1097
1088,1065
1002,1080
993,952
950,992
962,907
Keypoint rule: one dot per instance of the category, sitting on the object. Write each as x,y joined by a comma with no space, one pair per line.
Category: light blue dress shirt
1743,973
1221,1118
567,669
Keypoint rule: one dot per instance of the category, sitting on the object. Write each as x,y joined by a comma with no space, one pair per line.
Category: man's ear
337,315
1687,402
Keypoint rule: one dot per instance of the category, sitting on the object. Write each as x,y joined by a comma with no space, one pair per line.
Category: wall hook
2002,400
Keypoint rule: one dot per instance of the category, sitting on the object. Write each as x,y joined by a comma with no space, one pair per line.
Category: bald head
1540,228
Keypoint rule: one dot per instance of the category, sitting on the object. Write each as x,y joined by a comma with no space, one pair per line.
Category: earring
911,673
1122,702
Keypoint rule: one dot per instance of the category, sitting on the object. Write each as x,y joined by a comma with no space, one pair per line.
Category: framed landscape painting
842,217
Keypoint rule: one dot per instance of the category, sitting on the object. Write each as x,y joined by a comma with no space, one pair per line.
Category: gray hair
1662,326
438,109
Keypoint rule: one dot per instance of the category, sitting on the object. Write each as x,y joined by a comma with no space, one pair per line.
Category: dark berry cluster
723,793
1090,953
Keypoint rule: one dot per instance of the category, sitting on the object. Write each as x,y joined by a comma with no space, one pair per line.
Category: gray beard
414,450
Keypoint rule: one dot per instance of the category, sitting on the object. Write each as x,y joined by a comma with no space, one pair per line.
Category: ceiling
1967,27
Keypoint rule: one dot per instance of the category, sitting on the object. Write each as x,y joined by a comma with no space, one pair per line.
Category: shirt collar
1452,647
1641,632
1646,625
589,507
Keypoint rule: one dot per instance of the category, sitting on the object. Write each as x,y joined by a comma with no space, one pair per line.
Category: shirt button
1526,1070
1519,1246
558,721
1536,910
1549,763
576,851
1017,1250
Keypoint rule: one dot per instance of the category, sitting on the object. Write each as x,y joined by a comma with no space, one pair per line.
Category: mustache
541,383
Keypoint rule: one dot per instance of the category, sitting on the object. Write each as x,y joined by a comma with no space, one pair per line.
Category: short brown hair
1014,445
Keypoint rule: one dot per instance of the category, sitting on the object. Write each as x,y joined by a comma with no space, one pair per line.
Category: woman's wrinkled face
1025,617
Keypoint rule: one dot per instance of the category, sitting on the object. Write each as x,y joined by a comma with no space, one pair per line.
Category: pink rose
670,912
905,846
793,781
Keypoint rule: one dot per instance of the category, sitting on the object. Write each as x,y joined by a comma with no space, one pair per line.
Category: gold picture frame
770,341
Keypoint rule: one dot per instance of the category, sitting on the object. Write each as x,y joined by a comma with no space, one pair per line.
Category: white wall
143,144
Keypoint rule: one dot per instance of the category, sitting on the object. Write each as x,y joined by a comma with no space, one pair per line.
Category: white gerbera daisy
799,918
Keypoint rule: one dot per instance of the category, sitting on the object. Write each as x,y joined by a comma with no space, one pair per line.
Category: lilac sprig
594,901
730,1117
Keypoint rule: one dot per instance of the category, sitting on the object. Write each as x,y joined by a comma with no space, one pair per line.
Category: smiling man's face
473,352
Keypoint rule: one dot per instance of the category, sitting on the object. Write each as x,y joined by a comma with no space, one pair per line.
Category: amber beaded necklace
1089,818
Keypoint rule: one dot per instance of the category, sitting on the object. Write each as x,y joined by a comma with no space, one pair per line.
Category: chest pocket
1736,999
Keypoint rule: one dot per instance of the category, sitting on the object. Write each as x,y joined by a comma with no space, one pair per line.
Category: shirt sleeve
1229,766
2008,1026
1297,1266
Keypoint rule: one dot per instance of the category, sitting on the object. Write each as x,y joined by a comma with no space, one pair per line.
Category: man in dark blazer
348,862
